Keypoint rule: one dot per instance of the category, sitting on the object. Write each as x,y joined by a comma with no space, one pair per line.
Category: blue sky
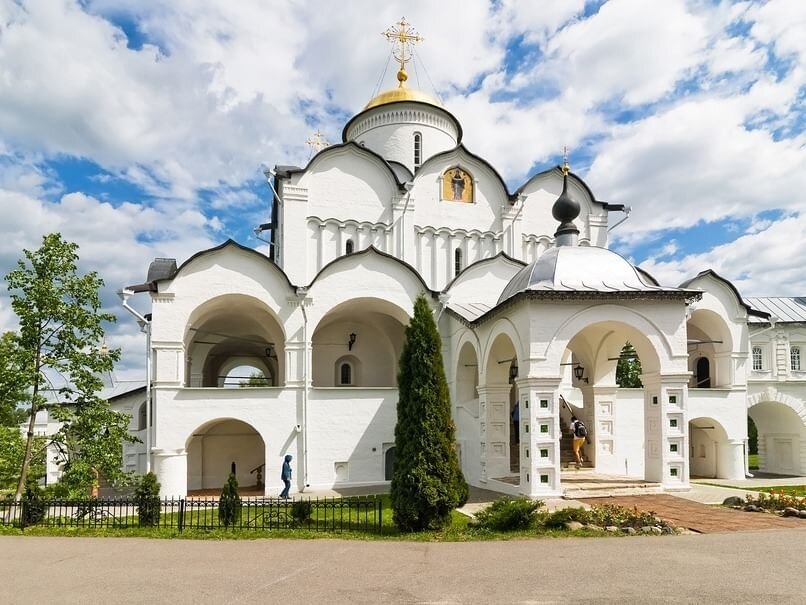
140,129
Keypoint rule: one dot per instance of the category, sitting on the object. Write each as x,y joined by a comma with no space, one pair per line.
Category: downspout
626,210
302,294
408,186
145,326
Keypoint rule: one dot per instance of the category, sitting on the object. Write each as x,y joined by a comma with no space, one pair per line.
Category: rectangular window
794,358
758,361
418,149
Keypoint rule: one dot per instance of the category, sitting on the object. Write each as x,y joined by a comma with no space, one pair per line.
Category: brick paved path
700,517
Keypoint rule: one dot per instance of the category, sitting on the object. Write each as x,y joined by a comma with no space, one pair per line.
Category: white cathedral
532,307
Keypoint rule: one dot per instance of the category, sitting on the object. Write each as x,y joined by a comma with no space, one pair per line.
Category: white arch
598,314
502,326
773,395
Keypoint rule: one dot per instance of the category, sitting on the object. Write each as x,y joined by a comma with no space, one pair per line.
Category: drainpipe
302,294
145,326
625,209
408,186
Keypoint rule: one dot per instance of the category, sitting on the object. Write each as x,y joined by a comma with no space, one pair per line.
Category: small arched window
457,262
703,373
345,374
418,149
349,247
141,417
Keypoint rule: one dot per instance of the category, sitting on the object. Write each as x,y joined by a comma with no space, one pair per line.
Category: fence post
181,514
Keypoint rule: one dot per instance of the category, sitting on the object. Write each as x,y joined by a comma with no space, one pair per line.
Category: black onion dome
565,210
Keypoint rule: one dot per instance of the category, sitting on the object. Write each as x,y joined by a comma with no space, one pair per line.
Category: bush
509,514
33,505
147,497
621,516
560,517
301,511
777,501
229,505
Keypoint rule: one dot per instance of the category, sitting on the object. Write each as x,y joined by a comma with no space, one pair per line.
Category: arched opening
215,447
457,262
620,422
234,331
362,338
710,454
349,247
702,373
781,438
418,149
141,417
709,347
389,463
247,374
503,433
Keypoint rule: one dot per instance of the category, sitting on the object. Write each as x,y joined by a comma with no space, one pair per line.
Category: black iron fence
360,513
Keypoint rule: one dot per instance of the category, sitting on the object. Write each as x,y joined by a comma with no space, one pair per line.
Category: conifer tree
628,368
427,483
229,504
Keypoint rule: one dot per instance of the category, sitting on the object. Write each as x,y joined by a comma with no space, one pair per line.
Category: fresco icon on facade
457,185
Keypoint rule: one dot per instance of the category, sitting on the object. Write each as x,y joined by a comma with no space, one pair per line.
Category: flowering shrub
776,501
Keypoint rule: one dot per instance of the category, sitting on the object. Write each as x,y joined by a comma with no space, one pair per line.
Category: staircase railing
259,470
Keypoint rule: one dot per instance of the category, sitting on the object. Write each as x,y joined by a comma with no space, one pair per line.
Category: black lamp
579,372
351,341
513,372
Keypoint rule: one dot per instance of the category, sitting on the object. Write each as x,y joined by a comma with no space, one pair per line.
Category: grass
789,490
458,530
752,461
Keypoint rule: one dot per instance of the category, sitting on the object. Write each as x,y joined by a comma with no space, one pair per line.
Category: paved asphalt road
750,567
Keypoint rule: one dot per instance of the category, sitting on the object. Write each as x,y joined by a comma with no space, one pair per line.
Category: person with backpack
580,434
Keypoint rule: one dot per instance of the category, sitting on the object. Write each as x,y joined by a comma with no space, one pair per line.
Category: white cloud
763,263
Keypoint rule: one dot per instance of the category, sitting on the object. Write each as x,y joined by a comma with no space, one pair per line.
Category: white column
540,436
493,422
666,426
171,469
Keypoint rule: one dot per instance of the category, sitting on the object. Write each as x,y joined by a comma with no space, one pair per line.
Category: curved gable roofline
713,274
403,166
462,149
483,261
559,171
647,275
230,242
373,250
350,145
409,101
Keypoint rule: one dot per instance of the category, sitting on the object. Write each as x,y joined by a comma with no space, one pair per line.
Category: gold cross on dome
317,142
566,167
402,36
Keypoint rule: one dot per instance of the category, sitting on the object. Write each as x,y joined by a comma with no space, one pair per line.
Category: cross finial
317,142
566,167
402,36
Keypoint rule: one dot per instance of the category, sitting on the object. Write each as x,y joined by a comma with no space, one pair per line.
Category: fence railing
359,513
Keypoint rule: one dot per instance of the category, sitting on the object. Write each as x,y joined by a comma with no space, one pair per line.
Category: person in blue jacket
285,475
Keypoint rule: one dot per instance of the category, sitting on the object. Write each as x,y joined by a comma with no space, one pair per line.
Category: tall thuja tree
427,483
60,328
628,368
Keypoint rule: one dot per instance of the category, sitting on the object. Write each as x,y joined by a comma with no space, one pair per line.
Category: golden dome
401,93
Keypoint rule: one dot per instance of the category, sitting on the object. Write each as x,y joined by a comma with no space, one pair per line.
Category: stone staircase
567,458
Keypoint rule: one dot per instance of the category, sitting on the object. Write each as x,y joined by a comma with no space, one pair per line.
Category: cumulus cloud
688,111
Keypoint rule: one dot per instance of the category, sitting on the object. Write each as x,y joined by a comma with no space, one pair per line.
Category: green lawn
753,461
790,490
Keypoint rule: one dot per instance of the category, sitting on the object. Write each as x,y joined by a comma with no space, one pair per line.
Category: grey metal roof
469,311
786,309
584,269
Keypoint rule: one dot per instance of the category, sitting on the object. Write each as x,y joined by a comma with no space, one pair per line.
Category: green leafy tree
229,504
12,451
12,382
427,483
256,379
60,327
628,368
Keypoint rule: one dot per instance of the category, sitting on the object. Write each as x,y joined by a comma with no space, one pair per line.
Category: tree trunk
29,444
